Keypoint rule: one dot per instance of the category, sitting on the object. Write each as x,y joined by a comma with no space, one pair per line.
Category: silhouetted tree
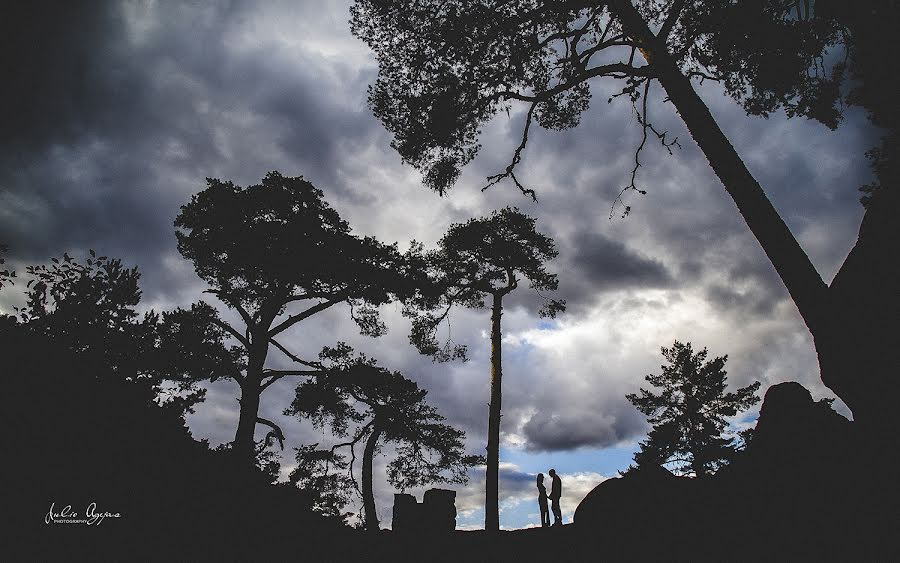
480,258
90,308
269,248
7,277
868,31
322,474
690,413
359,400
191,348
445,68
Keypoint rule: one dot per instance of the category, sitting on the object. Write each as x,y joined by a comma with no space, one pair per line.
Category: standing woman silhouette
542,501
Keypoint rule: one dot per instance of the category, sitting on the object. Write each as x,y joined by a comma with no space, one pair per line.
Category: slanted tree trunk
853,360
371,516
491,485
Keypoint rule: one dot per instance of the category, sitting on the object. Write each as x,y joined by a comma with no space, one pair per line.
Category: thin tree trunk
244,444
491,487
371,516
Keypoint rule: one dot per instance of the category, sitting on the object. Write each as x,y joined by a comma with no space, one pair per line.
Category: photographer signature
66,515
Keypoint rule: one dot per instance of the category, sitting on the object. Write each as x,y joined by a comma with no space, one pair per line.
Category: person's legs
557,513
545,515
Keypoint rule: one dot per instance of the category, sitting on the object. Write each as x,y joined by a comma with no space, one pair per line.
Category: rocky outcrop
436,513
802,488
640,494
793,429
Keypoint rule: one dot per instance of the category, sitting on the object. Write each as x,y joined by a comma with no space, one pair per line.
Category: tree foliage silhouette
690,413
323,474
89,308
7,277
480,258
870,33
277,254
362,401
447,67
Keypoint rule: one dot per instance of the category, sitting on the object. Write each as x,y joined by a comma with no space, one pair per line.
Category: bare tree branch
618,41
646,126
231,330
517,157
361,433
276,374
237,306
616,70
294,319
274,433
290,355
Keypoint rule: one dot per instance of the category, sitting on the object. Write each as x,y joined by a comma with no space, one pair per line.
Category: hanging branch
517,157
646,126
275,432
363,431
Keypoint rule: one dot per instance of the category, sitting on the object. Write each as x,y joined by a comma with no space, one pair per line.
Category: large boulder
639,497
794,430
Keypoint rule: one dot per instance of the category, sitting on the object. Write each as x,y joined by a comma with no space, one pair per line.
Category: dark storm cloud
748,288
591,264
51,80
582,428
756,300
608,264
115,113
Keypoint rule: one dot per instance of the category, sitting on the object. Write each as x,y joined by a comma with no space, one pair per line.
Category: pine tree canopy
690,413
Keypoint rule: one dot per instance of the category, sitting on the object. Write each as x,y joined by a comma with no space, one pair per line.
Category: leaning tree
361,401
690,412
277,254
481,258
447,67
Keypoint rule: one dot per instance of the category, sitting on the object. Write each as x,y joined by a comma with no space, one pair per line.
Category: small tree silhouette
689,415
483,257
267,248
384,407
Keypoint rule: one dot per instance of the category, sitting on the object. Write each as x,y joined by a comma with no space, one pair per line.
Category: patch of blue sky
605,461
471,521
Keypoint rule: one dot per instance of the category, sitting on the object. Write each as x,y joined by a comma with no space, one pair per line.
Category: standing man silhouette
555,494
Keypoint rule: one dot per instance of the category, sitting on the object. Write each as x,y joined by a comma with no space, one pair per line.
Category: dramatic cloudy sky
113,116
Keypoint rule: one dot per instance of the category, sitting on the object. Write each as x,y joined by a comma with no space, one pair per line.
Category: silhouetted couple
555,494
